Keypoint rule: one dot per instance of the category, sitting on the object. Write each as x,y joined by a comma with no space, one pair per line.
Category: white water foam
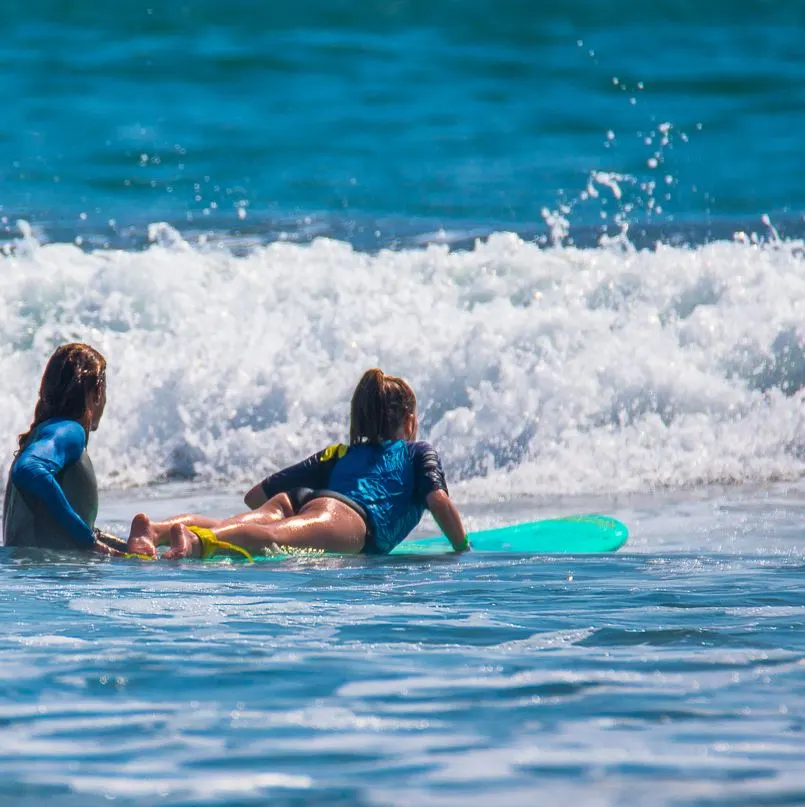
538,371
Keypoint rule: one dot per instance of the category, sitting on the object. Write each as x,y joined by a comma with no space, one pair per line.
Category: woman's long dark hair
73,372
380,404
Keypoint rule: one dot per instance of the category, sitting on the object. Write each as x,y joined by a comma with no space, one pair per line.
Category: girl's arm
447,517
255,497
431,487
312,472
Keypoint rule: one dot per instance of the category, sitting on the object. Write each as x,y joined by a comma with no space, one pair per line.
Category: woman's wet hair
73,372
379,407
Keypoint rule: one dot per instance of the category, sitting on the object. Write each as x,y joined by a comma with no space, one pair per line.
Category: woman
52,496
364,497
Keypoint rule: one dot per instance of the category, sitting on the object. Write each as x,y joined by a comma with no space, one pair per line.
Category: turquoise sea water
403,116
670,673
244,206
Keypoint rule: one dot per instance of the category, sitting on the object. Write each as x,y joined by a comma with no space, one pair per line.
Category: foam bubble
538,371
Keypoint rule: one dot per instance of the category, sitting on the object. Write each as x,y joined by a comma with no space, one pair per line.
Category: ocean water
578,231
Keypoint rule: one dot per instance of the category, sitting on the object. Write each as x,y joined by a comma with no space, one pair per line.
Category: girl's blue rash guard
52,495
390,481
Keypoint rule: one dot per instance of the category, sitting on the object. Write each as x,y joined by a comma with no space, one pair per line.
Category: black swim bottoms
301,496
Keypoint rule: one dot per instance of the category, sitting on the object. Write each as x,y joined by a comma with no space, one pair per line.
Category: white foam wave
538,371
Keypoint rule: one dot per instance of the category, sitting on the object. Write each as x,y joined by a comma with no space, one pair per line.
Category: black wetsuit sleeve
312,472
428,473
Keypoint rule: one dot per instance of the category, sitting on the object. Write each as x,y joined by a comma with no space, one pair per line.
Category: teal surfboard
567,536
573,535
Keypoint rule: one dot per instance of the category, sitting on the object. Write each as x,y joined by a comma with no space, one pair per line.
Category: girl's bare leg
146,535
323,523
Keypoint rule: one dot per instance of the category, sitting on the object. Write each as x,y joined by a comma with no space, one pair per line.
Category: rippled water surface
670,673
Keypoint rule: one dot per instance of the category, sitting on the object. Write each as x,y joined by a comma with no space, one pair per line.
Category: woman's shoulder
57,442
62,430
62,425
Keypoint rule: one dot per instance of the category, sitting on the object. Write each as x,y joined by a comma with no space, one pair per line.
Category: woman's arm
35,472
447,517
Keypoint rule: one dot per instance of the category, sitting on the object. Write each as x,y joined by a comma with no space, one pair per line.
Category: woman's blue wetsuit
386,483
52,495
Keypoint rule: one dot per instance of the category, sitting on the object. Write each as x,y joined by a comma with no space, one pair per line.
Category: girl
364,497
52,497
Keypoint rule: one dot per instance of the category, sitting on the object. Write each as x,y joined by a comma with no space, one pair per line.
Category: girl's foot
142,537
184,544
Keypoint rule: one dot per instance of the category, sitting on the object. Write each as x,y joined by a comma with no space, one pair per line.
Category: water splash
538,371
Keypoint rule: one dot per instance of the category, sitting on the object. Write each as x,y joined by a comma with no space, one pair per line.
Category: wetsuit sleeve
428,473
37,467
313,472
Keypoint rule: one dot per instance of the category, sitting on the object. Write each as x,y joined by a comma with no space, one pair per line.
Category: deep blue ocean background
415,115
578,231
